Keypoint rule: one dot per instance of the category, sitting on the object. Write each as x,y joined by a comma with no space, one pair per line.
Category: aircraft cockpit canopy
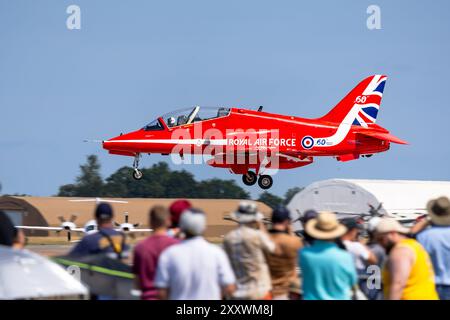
187,116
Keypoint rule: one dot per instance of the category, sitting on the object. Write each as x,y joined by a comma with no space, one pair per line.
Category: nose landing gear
137,174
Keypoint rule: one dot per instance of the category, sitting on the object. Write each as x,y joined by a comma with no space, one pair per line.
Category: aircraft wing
140,230
40,228
49,228
296,157
384,136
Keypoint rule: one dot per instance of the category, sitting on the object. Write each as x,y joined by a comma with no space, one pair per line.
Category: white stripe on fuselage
199,142
341,132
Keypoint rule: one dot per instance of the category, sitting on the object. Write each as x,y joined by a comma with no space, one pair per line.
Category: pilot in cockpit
170,122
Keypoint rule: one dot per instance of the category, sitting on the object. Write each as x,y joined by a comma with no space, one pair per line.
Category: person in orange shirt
408,273
283,266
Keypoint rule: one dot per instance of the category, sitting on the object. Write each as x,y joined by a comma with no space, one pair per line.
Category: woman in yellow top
408,273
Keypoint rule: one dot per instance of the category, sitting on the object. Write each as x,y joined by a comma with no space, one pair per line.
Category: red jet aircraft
248,142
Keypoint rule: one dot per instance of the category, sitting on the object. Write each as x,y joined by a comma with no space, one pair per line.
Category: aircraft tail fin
361,105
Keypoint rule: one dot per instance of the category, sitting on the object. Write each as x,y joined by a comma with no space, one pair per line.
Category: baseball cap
280,214
308,215
104,211
176,209
193,221
351,223
390,225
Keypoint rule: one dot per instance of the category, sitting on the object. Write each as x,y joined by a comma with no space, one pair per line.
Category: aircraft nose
107,144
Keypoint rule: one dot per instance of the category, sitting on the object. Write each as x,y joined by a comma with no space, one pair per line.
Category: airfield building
48,211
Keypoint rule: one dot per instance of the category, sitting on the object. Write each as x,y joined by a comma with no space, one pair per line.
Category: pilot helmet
171,121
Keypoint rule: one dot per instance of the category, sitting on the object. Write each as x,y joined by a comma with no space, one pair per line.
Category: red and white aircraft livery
248,142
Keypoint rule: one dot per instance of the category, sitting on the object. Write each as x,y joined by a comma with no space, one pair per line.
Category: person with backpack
106,240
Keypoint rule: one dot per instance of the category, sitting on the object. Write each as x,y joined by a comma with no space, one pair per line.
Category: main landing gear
249,178
264,181
137,174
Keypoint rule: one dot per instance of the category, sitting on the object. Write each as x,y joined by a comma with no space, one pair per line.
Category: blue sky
134,60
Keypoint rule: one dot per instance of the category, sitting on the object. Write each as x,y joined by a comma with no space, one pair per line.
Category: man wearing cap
106,240
194,269
176,209
307,215
375,293
246,247
436,241
328,271
362,254
283,266
408,273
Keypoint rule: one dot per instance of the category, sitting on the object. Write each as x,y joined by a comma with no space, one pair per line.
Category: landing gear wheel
137,175
265,182
249,178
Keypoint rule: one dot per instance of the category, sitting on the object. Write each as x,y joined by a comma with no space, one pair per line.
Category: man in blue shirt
436,241
106,239
328,272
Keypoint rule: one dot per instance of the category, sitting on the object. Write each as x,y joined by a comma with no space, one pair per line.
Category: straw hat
439,211
246,213
325,227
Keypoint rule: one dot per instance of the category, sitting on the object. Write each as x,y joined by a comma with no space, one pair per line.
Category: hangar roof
403,195
403,199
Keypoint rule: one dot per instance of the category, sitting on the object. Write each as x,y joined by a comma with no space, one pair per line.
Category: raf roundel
307,142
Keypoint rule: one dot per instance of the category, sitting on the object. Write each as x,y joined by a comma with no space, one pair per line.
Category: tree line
159,181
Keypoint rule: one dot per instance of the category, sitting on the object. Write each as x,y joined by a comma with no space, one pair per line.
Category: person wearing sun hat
408,273
247,247
436,241
328,272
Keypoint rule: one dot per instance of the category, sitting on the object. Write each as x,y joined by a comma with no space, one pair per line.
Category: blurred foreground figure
106,239
246,247
328,272
194,269
362,254
147,252
408,273
283,267
6,230
9,235
307,215
26,275
176,209
375,292
436,241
